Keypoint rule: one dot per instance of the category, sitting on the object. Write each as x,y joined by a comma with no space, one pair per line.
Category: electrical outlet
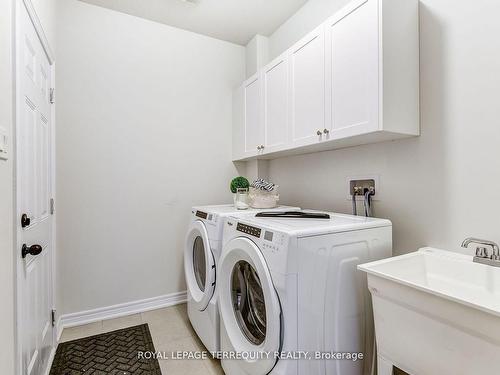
4,142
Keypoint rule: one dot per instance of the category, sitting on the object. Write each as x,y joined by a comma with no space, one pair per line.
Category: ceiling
236,21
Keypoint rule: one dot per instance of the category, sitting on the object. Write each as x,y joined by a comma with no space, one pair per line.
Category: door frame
18,6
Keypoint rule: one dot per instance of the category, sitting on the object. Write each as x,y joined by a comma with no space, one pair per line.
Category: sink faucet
482,254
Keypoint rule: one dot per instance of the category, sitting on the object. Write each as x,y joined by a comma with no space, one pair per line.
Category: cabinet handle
319,132
261,147
326,131
258,148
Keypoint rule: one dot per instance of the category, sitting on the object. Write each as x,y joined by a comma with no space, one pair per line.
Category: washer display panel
248,301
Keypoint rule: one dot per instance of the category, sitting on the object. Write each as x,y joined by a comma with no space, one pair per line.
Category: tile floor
171,331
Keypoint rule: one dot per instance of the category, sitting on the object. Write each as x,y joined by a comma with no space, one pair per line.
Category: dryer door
249,305
199,265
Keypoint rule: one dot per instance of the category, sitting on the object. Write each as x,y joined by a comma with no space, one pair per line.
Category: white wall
6,194
257,54
438,188
312,13
46,11
143,133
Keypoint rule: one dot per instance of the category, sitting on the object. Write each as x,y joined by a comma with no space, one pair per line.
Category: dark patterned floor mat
112,353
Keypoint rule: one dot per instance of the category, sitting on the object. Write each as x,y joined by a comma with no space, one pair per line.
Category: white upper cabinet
275,104
352,67
353,80
253,116
307,89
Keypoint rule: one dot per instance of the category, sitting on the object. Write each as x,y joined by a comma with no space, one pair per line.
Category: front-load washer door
249,305
199,265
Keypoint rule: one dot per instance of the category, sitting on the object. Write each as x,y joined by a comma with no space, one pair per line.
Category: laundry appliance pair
288,298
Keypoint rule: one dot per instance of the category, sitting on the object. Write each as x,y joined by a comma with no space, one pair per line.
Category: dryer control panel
201,214
205,216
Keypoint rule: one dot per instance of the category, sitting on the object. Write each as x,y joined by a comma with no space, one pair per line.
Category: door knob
25,221
319,132
33,250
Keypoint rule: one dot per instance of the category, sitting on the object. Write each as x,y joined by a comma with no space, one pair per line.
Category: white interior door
33,199
307,89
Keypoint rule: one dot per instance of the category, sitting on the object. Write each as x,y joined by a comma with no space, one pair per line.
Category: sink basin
446,274
436,312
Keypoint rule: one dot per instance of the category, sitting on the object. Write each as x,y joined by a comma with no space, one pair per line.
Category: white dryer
202,251
291,284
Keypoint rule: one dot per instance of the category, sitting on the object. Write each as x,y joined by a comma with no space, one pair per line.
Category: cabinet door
352,65
253,116
275,82
307,89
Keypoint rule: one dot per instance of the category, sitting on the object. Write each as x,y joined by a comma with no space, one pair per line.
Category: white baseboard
116,311
51,359
59,329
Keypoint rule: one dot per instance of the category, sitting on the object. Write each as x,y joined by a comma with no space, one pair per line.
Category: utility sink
436,312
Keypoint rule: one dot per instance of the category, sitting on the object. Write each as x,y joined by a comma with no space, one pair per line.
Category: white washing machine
202,252
291,284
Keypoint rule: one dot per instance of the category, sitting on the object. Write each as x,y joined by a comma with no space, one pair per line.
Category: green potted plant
239,187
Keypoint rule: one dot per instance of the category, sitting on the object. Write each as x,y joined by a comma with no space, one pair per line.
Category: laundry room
286,187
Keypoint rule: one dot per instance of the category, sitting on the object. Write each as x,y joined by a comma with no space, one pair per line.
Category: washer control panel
273,241
248,229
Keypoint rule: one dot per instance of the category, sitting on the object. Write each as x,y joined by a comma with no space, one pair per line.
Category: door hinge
52,95
53,317
52,206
